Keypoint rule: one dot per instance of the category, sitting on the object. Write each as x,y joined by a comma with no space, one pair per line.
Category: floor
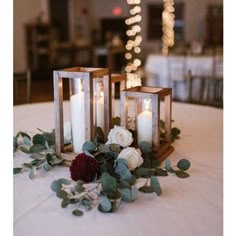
41,91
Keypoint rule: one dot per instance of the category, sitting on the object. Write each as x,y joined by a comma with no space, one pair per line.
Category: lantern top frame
141,91
82,72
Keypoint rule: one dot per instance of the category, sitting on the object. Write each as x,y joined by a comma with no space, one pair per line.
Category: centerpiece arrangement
110,160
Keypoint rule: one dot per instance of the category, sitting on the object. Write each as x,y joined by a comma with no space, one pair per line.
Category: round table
192,206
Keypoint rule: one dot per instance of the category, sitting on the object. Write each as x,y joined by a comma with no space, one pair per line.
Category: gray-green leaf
77,212
36,148
46,167
89,146
17,170
27,141
108,182
39,139
181,174
183,164
155,185
62,194
145,147
105,204
32,173
146,189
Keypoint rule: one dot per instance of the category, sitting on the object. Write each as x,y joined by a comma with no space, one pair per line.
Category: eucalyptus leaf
146,189
141,172
64,181
17,170
36,148
167,164
28,165
46,167
105,204
49,157
115,147
124,184
86,203
132,180
65,202
27,141
161,172
15,143
79,188
25,150
23,134
62,194
123,161
80,182
155,185
87,153
77,212
36,155
89,146
181,174
56,161
134,192
145,147
104,148
126,194
108,182
55,186
39,139
183,164
122,170
32,173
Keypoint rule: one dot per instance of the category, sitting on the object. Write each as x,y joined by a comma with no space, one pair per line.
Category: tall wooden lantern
90,106
147,118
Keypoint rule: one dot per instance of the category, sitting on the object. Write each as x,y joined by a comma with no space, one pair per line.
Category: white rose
120,135
132,156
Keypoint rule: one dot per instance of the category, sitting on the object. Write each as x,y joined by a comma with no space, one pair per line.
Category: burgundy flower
83,168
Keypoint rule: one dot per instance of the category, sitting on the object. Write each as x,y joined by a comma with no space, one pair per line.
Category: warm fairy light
133,44
168,26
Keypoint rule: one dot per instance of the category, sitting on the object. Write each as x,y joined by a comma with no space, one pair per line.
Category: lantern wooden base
164,151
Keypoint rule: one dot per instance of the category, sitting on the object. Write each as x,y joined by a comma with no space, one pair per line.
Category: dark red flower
83,168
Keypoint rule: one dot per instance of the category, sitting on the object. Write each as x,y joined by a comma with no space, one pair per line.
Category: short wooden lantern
118,78
147,101
90,103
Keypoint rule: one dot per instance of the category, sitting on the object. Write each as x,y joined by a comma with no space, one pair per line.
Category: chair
19,77
177,76
205,90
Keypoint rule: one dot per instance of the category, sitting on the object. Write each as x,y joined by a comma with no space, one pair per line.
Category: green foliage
183,164
145,147
77,212
89,146
155,185
41,149
114,182
108,182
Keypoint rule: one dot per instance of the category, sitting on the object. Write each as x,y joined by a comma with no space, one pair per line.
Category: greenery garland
100,177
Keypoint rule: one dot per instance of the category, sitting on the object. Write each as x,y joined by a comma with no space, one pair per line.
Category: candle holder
147,119
90,99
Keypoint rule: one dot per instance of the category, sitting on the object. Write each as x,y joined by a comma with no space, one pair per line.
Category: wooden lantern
88,110
147,101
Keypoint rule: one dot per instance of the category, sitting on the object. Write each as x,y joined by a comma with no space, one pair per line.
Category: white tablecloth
187,207
157,68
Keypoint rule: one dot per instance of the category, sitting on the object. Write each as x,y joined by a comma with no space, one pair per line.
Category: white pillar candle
100,111
78,121
144,124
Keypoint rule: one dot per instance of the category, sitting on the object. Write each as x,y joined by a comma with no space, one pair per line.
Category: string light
133,44
168,26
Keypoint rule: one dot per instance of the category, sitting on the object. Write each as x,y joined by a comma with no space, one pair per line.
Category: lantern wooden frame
88,75
156,94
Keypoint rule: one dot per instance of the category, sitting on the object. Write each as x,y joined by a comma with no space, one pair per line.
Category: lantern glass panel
77,113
